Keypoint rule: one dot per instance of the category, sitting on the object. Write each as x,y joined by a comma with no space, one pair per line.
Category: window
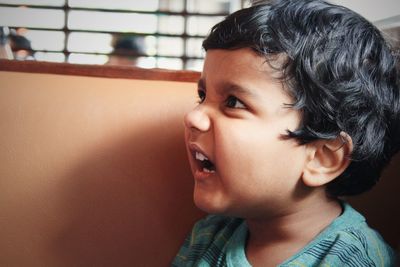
153,33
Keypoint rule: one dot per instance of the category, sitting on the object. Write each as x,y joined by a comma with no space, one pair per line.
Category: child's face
238,126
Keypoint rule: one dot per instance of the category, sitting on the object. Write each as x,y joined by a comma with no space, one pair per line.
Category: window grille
168,32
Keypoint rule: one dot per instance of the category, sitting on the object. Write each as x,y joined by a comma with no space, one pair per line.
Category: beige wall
93,172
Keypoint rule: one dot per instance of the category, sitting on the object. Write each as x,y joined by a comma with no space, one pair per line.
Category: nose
197,120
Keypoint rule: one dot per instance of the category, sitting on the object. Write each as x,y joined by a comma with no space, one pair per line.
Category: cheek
242,152
258,155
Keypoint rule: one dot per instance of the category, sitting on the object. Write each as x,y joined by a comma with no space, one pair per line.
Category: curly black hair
340,72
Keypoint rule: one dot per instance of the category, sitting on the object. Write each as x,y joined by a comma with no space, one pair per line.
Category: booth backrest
94,173
93,170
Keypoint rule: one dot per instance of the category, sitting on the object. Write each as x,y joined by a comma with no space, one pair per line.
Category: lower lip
200,175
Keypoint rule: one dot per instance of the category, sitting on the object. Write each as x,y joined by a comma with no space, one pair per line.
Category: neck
280,237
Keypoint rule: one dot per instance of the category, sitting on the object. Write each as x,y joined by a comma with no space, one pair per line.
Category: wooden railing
107,71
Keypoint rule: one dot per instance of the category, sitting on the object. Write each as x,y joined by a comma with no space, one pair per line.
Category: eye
233,102
202,95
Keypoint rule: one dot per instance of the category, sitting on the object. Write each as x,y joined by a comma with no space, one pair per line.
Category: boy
298,105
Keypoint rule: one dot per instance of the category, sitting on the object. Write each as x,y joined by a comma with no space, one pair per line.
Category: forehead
240,65
245,68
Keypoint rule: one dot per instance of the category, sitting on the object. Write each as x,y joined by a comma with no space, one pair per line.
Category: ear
327,160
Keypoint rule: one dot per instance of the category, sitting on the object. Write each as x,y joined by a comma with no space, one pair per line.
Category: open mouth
203,163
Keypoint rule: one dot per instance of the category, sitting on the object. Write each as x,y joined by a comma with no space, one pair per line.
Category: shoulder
207,240
348,241
353,247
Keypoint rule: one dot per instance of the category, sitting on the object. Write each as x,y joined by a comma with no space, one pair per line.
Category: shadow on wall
117,213
380,206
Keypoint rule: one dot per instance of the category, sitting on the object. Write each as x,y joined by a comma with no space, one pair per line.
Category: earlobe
327,160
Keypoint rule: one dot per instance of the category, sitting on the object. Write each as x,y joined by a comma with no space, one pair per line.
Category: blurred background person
21,46
127,49
5,49
14,45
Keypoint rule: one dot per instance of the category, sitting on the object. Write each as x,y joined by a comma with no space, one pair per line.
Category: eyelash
228,101
202,96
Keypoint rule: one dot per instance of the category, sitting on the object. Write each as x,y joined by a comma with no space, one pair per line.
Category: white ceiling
373,10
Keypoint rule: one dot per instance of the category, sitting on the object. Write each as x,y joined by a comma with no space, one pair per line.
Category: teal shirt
347,241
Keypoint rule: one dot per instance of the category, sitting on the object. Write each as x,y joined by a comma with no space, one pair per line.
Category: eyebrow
227,88
201,84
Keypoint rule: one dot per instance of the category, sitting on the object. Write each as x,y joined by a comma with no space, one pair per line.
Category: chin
207,204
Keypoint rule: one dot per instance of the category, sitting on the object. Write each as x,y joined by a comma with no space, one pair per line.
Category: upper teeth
200,156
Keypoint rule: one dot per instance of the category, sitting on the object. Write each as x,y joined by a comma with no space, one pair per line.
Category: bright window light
202,6
31,17
87,59
90,42
171,24
35,2
108,21
46,40
49,56
171,5
194,47
146,62
170,46
169,63
140,5
150,43
194,64
198,25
